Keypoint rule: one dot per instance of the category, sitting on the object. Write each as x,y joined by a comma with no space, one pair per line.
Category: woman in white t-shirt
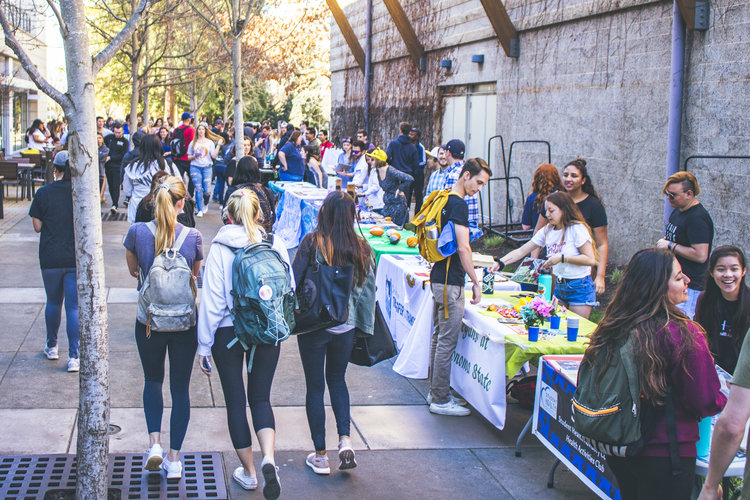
570,253
36,136
201,153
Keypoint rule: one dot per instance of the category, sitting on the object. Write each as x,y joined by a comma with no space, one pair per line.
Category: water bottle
431,230
488,282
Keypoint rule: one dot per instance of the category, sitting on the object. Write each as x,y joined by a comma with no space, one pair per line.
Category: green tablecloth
380,245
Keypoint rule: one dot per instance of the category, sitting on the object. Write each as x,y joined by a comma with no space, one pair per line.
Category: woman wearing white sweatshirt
215,331
201,153
136,183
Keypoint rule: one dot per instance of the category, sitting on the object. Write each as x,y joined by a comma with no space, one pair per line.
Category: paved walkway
403,450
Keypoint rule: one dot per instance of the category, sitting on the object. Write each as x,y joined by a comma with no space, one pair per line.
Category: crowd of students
684,304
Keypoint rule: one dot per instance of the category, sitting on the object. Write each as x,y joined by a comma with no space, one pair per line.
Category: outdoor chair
9,170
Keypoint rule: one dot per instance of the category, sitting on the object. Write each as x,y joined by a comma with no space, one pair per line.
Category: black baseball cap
455,147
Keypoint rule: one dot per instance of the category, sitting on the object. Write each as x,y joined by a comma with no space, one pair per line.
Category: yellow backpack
427,224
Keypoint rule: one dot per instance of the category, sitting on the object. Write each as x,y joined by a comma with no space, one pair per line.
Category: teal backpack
262,298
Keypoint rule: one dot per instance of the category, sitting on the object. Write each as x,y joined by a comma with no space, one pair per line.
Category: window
19,120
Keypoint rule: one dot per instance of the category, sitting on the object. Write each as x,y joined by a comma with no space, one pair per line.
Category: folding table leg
551,475
526,429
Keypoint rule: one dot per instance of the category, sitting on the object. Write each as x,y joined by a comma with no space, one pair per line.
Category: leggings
152,350
650,478
112,170
220,173
328,353
232,364
60,284
202,180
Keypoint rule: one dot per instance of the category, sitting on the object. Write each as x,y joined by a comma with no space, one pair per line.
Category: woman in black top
52,215
723,308
247,175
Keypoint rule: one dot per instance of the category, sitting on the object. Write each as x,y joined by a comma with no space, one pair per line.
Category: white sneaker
246,482
173,469
199,214
205,208
154,460
51,353
318,463
456,399
451,408
271,484
73,364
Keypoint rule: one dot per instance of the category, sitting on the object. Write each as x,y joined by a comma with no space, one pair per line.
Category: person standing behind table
689,233
325,353
723,308
570,253
546,181
136,182
372,192
418,187
51,214
325,144
141,247
216,331
362,136
403,156
447,281
292,165
673,355
438,179
312,160
118,146
103,154
432,165
311,139
248,176
394,184
186,131
202,151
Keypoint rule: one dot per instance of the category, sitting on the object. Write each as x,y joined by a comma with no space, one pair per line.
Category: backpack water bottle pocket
170,318
602,421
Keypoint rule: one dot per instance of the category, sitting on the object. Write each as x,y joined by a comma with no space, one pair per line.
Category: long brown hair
641,310
571,214
335,238
546,181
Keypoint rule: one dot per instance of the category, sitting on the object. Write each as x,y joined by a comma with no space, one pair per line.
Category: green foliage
493,241
596,315
616,276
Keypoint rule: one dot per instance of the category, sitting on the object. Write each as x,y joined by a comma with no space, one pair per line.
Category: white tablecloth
297,212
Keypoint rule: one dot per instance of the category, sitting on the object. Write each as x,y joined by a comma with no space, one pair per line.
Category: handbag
370,350
323,296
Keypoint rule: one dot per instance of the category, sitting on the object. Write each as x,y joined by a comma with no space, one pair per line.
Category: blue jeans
289,177
577,292
220,173
202,181
324,360
60,284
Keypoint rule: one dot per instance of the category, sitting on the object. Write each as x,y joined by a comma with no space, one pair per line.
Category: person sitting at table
723,308
674,356
247,176
292,165
546,181
394,184
570,253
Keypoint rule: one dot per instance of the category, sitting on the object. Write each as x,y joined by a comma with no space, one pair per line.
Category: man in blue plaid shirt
451,160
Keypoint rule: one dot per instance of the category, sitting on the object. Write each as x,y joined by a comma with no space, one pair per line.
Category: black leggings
650,478
231,364
153,350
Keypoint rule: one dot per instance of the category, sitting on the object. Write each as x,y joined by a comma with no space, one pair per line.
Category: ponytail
168,193
243,208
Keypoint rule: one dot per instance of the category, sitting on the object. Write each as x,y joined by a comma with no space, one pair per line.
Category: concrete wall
592,79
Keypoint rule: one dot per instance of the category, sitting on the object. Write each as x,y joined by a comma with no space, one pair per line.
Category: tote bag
370,350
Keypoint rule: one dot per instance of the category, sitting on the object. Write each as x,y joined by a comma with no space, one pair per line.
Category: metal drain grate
118,217
34,477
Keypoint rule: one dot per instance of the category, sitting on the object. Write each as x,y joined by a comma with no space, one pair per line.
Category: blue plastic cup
572,329
533,333
554,323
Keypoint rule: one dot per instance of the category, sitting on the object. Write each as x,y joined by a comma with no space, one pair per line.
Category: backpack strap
181,238
674,450
151,225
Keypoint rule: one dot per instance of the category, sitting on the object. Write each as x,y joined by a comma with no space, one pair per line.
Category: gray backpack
166,301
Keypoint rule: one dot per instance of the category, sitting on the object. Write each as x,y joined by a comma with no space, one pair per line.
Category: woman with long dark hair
247,175
723,308
570,252
312,162
545,182
136,181
143,243
325,353
673,355
36,136
292,163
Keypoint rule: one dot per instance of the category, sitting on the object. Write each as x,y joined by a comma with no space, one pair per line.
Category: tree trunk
93,414
239,119
145,101
135,93
169,104
194,102
227,108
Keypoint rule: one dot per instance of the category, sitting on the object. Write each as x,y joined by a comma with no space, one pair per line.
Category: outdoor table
553,426
381,246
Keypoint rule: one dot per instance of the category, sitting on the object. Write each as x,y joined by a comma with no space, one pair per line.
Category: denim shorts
578,292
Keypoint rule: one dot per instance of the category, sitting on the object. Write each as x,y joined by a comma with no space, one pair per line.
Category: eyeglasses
671,195
355,152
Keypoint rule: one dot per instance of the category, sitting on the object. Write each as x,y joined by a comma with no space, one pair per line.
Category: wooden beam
687,9
348,32
501,23
416,50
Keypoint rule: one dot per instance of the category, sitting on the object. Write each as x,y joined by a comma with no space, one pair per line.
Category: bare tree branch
63,26
10,40
211,24
246,18
111,13
103,57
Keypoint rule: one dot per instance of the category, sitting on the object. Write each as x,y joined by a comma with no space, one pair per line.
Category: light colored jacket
136,183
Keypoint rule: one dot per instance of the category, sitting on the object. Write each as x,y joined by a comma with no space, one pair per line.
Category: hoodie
216,297
136,183
403,155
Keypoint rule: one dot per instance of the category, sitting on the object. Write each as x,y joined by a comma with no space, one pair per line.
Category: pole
368,66
674,124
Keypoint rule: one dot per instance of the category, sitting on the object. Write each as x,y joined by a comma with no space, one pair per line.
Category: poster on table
553,425
478,374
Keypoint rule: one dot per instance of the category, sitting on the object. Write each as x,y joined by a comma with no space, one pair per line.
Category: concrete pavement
402,449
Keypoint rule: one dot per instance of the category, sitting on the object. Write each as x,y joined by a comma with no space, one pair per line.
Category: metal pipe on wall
368,65
676,81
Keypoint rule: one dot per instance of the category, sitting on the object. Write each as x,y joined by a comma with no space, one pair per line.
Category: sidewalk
402,449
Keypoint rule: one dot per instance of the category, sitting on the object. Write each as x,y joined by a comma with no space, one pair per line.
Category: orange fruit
377,231
411,241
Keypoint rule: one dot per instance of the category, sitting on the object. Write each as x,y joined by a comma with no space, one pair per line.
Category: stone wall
592,79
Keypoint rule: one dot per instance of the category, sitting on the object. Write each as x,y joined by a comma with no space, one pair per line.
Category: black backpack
179,148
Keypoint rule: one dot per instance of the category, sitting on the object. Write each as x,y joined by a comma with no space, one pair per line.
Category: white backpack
166,301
